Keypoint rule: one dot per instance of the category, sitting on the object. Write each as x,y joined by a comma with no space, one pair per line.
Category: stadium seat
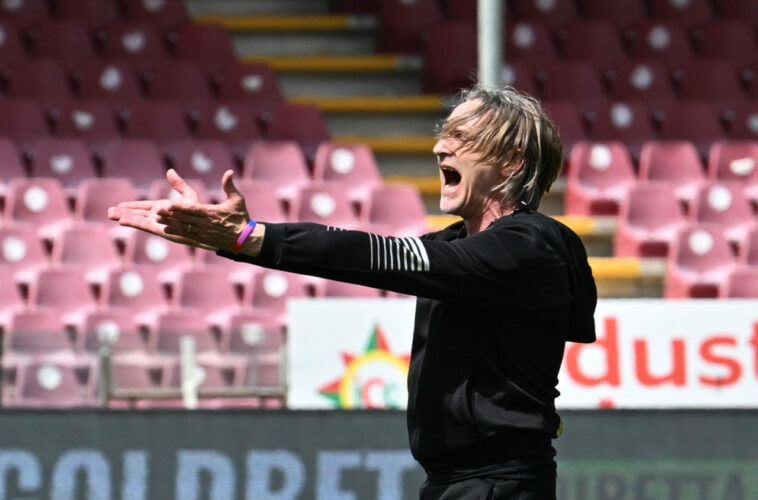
519,76
727,40
303,124
567,119
403,27
722,204
694,121
666,42
238,274
42,80
529,43
743,10
699,263
207,293
21,251
115,329
340,289
741,283
748,249
11,46
261,199
209,46
24,13
171,326
553,13
40,202
254,83
11,300
396,210
136,289
135,159
256,334
64,41
137,372
450,61
578,82
86,248
23,120
89,119
202,160
598,41
619,12
280,163
324,203
639,81
53,384
92,14
714,81
676,163
270,290
64,292
600,176
115,82
624,121
36,333
168,16
735,161
136,42
182,81
170,260
689,12
233,122
12,162
68,160
94,197
649,219
353,166
160,121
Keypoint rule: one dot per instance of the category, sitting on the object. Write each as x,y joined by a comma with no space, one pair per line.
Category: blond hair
510,129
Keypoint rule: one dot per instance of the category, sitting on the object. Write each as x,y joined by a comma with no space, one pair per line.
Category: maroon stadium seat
254,84
135,159
135,289
21,251
89,119
113,81
166,15
135,42
723,204
202,160
64,41
395,210
24,13
209,46
233,122
92,14
40,202
748,249
114,328
619,12
529,43
578,82
554,14
627,121
715,81
270,290
404,26
181,81
86,248
598,41
732,41
64,292
741,283
567,119
280,163
208,293
699,263
450,58
666,42
168,259
676,163
694,121
353,166
640,80
324,203
68,160
161,121
688,13
11,46
42,80
519,76
303,124
736,161
23,120
51,383
11,160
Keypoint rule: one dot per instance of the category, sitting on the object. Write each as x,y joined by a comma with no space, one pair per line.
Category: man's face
466,182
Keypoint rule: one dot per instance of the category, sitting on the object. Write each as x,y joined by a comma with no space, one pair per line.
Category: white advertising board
353,353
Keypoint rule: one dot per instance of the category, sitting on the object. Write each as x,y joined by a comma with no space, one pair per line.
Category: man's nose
440,147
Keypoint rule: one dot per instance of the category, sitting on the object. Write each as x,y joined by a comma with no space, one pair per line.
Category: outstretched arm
187,221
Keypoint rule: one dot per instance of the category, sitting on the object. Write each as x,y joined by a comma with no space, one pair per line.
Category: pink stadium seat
303,124
694,121
115,82
324,203
95,196
396,210
64,292
233,122
138,372
280,163
42,80
202,160
88,119
748,250
676,163
53,384
625,121
170,260
715,81
22,251
567,119
730,41
256,334
23,120
261,200
209,46
619,12
598,41
404,26
114,328
600,176
578,82
13,166
86,248
529,43
36,333
136,42
699,263
135,159
349,290
238,274
135,289
519,75
40,202
207,293
68,160
254,83
450,58
554,14
161,121
742,283
92,14
166,15
171,326
24,13
689,13
744,123
11,300
723,204
353,166
65,41
270,290
640,80
666,42
181,81
11,46
736,161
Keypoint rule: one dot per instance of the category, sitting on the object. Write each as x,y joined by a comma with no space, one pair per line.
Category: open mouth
450,177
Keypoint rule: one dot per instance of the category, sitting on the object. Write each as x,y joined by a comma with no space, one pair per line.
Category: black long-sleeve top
492,315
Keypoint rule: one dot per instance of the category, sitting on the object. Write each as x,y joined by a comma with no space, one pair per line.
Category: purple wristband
245,233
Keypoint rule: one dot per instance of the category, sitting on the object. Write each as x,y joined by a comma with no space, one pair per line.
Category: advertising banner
353,353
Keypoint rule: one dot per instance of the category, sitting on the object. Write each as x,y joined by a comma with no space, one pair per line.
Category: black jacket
492,315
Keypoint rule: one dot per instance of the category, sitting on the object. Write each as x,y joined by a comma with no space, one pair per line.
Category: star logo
374,379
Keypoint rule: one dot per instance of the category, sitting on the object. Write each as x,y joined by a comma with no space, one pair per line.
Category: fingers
181,187
227,183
